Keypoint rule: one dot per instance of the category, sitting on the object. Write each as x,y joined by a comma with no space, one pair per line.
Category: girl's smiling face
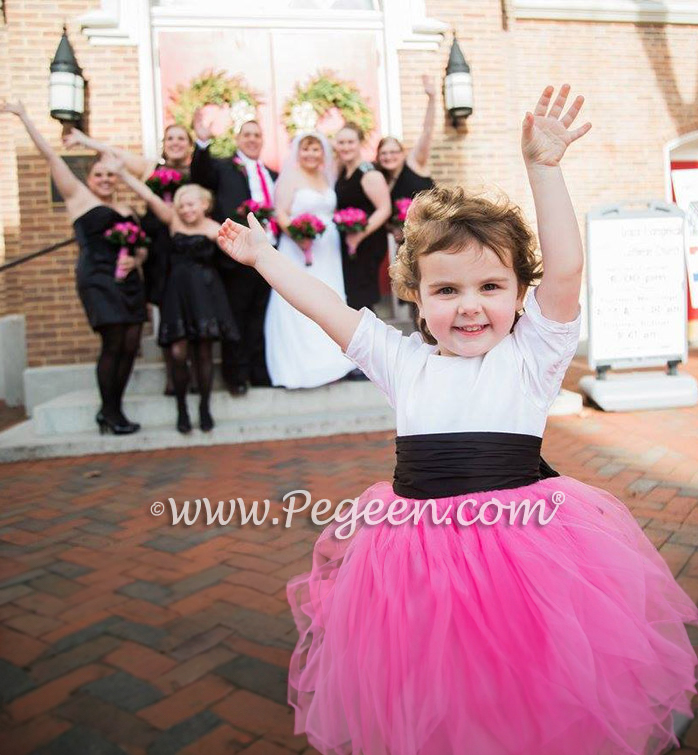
466,289
191,208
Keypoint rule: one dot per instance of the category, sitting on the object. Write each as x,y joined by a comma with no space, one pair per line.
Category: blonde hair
203,194
445,218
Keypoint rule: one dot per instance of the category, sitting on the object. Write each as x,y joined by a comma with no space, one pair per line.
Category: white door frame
402,24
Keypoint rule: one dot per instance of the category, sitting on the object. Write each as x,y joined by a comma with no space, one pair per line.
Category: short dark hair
446,218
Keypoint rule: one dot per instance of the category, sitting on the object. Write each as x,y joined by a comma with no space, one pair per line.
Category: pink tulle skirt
564,638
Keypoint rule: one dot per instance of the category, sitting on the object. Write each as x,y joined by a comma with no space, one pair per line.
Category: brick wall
44,289
639,80
8,182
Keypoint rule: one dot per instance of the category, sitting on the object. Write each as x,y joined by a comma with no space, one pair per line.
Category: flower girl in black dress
111,292
195,309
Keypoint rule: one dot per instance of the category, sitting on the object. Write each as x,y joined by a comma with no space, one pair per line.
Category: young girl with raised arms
194,310
565,637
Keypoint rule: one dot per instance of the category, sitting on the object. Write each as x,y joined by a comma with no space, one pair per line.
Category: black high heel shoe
126,421
183,422
206,422
117,427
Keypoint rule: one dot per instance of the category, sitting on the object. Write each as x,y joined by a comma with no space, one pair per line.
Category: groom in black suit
233,180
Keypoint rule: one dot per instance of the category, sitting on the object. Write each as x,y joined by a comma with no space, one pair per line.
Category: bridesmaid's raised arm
138,165
78,198
162,210
419,154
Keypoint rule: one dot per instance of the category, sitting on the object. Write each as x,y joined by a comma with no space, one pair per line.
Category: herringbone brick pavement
120,633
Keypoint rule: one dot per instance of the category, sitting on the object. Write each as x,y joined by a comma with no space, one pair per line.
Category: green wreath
304,108
216,88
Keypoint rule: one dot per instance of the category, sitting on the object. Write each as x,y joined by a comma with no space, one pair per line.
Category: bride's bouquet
350,220
164,182
306,228
128,237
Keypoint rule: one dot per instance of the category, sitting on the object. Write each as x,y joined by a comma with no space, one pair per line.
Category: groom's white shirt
256,191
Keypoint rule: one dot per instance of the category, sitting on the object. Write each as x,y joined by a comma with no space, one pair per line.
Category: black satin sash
448,464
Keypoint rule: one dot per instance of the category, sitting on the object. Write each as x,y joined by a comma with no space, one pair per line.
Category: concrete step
21,442
42,384
66,425
75,412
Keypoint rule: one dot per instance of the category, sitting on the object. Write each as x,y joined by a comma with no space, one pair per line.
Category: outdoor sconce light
66,84
458,85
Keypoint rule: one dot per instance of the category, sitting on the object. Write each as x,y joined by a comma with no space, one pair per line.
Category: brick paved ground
122,634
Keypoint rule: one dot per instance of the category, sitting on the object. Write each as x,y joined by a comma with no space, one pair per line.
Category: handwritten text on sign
637,288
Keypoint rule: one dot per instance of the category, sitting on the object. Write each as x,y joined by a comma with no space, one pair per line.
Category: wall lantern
458,85
66,84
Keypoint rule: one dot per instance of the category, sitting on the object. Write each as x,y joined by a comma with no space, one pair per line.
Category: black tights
203,363
119,348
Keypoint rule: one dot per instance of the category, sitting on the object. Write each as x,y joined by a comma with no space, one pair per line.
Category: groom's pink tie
267,197
265,188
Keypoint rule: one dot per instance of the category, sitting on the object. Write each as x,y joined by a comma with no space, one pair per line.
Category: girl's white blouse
508,389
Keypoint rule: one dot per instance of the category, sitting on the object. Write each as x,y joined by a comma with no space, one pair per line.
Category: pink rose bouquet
164,182
263,212
128,237
350,220
306,227
400,207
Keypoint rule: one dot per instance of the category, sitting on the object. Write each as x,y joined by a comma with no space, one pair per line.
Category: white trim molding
117,22
407,26
127,22
403,25
631,11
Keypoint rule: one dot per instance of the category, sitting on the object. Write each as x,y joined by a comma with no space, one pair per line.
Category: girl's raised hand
545,135
243,244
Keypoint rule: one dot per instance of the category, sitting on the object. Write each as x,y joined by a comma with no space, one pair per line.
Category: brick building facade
634,63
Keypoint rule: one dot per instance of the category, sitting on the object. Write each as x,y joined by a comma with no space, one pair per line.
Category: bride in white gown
299,353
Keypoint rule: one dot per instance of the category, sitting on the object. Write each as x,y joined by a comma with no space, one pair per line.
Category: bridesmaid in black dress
195,309
407,174
177,151
360,185
115,309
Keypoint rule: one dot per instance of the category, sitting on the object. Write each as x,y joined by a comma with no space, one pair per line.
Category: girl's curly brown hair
446,218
